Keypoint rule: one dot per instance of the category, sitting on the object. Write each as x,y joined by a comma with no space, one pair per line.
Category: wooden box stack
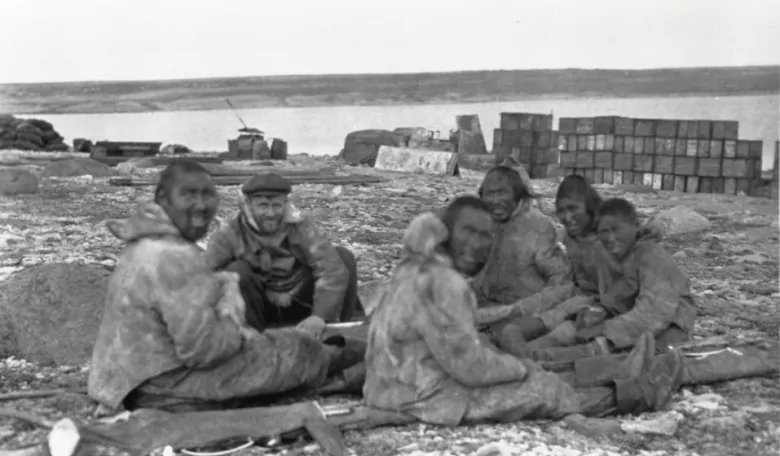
694,156
530,139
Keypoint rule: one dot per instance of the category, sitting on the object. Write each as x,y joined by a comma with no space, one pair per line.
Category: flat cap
267,184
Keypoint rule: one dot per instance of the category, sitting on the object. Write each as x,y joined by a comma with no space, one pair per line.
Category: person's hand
587,334
313,325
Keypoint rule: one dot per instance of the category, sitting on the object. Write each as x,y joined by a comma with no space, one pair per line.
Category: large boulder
78,166
50,313
17,181
679,220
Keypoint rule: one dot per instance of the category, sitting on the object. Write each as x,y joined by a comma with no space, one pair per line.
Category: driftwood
16,395
239,180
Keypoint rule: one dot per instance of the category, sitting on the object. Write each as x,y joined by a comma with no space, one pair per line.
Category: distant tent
360,147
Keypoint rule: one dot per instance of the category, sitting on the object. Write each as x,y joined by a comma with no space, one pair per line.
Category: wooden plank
666,128
624,126
716,148
709,167
609,176
568,159
623,162
585,125
692,184
664,164
567,125
417,160
603,159
644,127
731,129
705,129
703,148
679,183
705,185
643,163
685,166
730,186
737,168
585,159
617,177
743,149
718,184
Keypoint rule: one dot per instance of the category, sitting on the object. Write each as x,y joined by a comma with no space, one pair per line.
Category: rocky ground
733,268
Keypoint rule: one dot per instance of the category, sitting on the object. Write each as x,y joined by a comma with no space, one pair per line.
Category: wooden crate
628,177
718,184
716,149
682,128
598,176
509,121
542,122
604,125
705,129
691,148
664,164
585,159
743,186
730,186
522,154
644,127
620,144
743,149
680,147
737,168
498,135
669,146
623,162
544,139
624,126
603,159
628,144
567,125
666,128
617,177
679,183
668,182
518,138
657,181
729,148
705,185
609,176
639,145
755,150
685,166
703,148
731,129
563,142
756,169
526,120
639,178
591,142
582,142
601,141
568,171
549,156
659,145
588,174
609,142
568,159
643,163
585,126
692,184
649,146
501,152
709,167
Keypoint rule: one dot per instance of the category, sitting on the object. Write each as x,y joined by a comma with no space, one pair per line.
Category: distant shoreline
383,89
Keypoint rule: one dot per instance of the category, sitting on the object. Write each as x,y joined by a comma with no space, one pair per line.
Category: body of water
321,130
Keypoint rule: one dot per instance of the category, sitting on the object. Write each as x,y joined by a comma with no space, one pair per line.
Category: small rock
17,181
127,166
665,424
680,255
79,166
337,191
500,448
732,421
758,258
679,220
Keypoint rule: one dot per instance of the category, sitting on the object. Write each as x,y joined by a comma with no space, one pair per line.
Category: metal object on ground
222,452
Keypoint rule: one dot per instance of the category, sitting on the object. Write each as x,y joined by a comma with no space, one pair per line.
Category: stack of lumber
223,175
530,140
693,156
29,134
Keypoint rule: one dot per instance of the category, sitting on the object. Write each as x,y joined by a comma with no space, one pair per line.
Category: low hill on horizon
381,89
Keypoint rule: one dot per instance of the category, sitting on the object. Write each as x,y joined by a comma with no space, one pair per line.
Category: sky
77,40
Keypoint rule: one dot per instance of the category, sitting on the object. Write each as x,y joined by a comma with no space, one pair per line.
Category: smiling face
268,211
573,214
191,203
499,195
470,239
618,234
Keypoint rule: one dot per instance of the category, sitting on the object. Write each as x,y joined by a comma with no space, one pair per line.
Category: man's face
573,215
268,211
191,203
498,194
470,240
617,234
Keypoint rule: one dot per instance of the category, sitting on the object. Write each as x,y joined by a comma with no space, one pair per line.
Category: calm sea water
321,130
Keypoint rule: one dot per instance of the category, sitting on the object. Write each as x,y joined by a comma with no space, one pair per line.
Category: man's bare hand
313,325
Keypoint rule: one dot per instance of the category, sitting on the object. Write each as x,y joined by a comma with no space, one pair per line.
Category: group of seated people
484,300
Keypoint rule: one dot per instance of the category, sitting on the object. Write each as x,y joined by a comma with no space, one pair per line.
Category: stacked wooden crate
694,156
529,139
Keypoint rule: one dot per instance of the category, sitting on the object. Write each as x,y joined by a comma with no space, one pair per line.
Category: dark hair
519,188
618,207
168,175
450,213
579,186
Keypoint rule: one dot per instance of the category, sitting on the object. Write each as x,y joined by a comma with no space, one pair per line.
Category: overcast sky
71,40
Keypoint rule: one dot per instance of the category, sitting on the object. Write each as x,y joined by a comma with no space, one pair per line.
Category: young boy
645,292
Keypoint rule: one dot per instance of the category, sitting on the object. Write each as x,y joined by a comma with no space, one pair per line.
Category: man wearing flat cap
289,272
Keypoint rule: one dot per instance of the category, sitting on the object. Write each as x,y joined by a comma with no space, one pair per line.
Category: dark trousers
261,313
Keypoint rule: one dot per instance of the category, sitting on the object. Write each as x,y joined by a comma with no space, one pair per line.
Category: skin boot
601,370
653,389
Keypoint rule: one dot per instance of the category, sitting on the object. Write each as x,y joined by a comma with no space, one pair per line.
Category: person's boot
653,389
601,370
347,381
343,352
